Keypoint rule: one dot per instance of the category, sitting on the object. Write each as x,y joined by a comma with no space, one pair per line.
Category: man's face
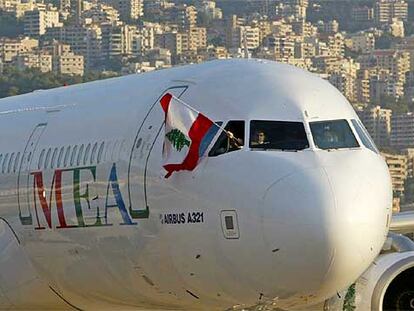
260,137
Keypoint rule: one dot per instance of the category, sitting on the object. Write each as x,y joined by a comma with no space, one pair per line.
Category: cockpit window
335,134
230,140
278,135
364,136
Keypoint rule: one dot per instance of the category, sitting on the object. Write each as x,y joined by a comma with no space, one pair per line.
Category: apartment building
182,15
172,41
246,36
197,38
345,83
10,48
37,21
362,42
377,121
386,10
362,15
396,28
37,60
209,9
100,14
127,9
363,86
69,64
402,134
398,167
397,62
335,44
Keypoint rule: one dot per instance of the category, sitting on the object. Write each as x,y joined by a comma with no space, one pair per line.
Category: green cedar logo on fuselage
177,139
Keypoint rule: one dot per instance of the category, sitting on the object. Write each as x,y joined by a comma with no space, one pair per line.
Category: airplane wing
402,222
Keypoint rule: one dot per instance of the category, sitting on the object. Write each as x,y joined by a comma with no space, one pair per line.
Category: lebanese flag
187,135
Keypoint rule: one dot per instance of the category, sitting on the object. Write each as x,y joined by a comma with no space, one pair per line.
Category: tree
400,105
217,41
13,90
14,82
384,42
352,54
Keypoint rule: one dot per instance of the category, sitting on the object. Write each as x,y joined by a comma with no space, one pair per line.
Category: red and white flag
188,133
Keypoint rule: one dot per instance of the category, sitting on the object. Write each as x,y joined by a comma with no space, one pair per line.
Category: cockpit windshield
278,135
334,134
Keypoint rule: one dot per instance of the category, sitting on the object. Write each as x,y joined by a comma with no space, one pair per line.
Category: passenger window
93,154
1,158
278,135
100,152
59,160
224,143
4,166
364,136
72,158
66,159
47,160
334,134
108,151
78,162
53,162
85,158
16,162
11,160
42,155
114,149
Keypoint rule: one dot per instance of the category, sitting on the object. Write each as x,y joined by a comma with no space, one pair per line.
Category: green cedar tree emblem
177,139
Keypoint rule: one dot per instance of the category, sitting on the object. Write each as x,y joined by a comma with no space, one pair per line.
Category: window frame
365,139
351,129
304,123
210,151
4,164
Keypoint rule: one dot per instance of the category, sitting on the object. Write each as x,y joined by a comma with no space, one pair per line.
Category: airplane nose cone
328,225
363,201
297,212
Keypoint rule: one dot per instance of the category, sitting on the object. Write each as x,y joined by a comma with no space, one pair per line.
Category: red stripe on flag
197,131
165,102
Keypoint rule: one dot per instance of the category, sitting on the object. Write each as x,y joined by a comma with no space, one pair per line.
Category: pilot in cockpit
260,138
234,142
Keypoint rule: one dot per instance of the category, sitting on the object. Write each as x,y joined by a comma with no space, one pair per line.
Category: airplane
300,218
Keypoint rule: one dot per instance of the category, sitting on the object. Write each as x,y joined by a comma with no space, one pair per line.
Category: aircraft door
23,187
144,141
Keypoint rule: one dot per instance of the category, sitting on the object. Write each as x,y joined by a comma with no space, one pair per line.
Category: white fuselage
100,227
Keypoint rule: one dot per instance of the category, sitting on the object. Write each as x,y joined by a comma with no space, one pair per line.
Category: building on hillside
402,130
386,10
398,167
377,121
69,64
37,21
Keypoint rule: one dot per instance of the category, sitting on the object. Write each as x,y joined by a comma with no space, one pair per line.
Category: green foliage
349,302
409,190
217,41
14,82
177,139
352,54
408,28
203,20
112,64
384,42
341,11
400,105
10,26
